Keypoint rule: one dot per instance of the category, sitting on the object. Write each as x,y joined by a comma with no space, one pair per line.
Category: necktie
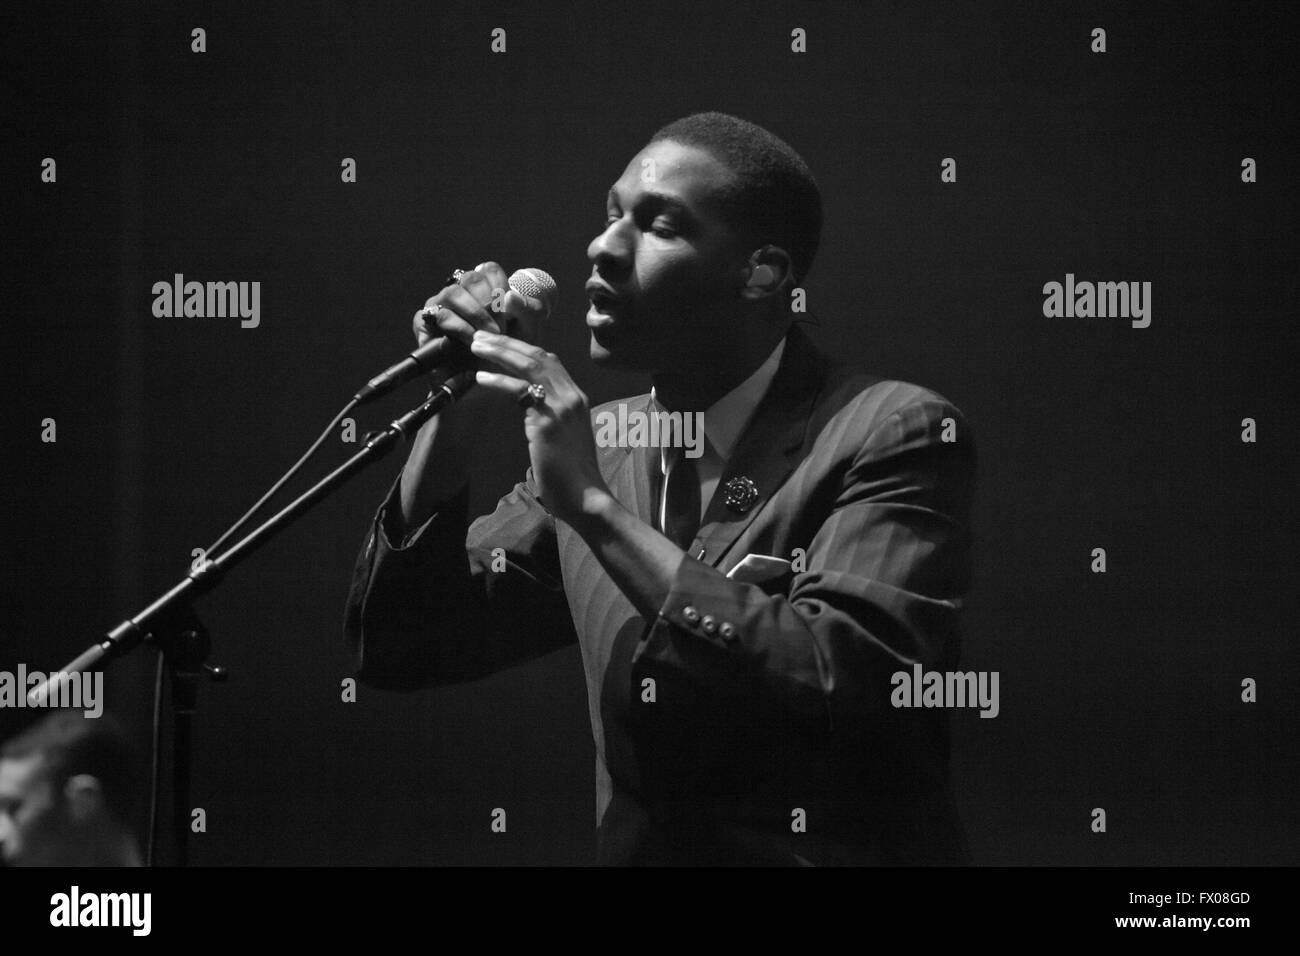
679,515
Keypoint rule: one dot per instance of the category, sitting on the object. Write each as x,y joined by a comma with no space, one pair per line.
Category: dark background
1118,690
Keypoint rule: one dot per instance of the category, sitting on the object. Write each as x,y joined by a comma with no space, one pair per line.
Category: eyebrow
659,200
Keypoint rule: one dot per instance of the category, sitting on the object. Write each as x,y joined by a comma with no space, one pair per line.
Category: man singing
740,612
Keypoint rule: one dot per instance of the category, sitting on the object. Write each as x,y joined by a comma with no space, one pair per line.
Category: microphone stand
170,624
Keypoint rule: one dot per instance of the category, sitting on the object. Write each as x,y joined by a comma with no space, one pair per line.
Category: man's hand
561,445
438,465
482,299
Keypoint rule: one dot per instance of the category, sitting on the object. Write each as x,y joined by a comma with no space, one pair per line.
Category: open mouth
602,302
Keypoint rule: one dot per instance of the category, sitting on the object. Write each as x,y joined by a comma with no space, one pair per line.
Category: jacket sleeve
884,581
447,603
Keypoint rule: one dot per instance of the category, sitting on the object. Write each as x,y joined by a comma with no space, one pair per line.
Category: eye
664,230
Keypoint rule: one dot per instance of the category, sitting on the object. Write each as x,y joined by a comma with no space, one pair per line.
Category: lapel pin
739,494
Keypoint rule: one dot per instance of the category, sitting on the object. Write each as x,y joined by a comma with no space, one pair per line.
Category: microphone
445,353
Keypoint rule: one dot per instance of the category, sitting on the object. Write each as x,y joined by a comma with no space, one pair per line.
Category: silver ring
534,397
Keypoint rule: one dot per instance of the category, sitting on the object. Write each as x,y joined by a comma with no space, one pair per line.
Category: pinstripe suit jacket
775,743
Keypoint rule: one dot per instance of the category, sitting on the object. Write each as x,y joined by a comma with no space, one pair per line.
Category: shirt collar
726,418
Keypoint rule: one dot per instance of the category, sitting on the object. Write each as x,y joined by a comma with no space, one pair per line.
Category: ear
768,271
84,797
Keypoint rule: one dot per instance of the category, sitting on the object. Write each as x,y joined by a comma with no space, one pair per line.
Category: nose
611,251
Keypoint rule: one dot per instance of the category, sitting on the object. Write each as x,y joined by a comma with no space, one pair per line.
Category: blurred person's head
67,791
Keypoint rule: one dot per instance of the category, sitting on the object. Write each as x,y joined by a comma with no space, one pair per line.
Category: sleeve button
709,624
728,631
690,614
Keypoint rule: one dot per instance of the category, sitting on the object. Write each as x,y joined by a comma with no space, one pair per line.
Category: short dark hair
774,198
71,743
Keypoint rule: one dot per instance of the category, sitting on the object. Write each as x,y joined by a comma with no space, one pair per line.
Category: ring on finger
533,397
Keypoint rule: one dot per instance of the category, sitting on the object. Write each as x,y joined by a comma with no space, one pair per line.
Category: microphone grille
535,284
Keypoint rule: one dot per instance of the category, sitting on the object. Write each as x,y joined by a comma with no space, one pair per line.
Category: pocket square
754,568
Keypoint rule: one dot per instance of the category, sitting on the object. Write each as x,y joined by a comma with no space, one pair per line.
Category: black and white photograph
715,435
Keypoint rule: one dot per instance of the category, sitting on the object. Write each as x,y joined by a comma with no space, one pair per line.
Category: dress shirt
724,421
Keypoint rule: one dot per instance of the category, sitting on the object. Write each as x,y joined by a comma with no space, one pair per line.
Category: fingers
502,383
523,365
516,389
521,314
482,299
494,274
491,286
479,285
421,326
527,361
454,311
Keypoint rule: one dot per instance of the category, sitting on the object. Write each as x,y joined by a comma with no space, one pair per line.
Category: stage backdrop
968,156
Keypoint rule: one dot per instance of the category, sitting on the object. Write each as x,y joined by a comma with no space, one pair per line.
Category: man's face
33,824
671,260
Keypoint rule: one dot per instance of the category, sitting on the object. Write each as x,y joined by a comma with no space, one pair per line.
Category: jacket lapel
768,449
634,479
